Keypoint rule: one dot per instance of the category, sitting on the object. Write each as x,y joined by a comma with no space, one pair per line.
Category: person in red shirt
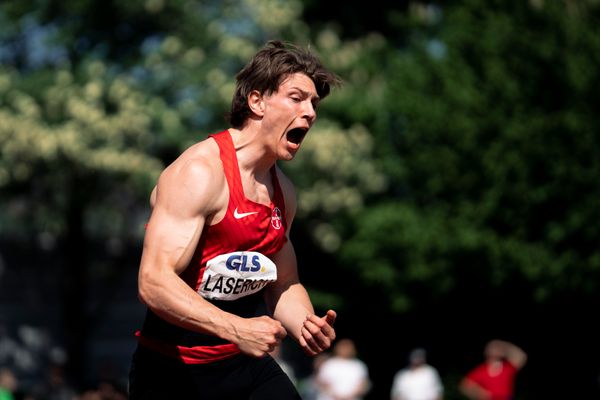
218,271
494,378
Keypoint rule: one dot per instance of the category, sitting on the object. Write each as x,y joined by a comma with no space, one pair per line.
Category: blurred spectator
55,387
105,390
91,395
494,378
309,389
343,376
110,390
418,381
8,384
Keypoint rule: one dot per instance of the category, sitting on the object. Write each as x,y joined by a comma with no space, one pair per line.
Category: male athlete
217,247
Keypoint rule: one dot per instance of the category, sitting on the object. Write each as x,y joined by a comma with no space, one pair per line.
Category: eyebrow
307,94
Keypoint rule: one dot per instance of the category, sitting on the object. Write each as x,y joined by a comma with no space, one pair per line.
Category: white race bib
238,274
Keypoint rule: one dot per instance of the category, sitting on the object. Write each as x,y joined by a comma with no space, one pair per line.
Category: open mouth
296,135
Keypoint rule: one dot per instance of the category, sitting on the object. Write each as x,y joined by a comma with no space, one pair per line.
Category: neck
254,156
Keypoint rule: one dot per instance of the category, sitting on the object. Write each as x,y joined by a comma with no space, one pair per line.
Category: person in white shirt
343,376
418,381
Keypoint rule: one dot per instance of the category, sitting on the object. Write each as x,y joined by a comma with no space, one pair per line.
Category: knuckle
314,330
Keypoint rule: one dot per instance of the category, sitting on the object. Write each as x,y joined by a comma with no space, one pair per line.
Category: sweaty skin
192,193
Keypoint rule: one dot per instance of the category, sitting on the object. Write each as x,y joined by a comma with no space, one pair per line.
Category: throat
259,189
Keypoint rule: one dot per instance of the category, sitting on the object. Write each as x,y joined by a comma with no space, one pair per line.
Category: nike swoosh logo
238,215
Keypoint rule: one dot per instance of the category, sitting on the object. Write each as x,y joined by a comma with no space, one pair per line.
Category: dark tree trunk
75,282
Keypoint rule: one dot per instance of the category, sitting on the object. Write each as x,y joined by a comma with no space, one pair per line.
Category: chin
286,156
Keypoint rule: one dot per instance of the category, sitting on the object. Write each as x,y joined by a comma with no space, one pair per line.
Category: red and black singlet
230,266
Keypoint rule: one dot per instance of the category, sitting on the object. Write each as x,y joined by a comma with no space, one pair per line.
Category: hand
258,336
317,333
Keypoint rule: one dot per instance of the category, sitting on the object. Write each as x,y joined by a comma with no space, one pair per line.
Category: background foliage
448,194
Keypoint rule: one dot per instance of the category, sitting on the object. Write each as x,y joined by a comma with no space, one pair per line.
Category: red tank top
247,225
500,386
248,232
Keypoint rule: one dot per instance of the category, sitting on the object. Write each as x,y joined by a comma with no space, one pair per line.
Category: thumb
330,317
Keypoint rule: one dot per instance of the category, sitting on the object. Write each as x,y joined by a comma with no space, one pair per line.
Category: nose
309,112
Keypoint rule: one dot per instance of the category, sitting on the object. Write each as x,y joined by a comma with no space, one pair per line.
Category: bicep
170,239
168,248
181,207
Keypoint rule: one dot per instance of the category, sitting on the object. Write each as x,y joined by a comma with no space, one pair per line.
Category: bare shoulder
202,155
194,181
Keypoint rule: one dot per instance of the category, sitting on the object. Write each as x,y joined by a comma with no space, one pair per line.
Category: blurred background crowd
447,195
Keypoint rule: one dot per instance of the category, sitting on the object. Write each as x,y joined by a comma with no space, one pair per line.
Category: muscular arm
189,192
288,299
178,216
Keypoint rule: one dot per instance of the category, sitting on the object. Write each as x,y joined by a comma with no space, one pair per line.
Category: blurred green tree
484,125
487,137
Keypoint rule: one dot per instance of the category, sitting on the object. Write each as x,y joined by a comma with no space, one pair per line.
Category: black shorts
154,376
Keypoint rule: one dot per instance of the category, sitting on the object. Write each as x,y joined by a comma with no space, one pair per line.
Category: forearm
167,295
291,305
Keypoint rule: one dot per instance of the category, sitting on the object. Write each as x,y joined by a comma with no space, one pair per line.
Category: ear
256,103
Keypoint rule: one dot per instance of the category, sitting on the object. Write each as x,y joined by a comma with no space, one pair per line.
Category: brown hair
271,66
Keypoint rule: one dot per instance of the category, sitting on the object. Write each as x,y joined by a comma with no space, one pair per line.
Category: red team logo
276,218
